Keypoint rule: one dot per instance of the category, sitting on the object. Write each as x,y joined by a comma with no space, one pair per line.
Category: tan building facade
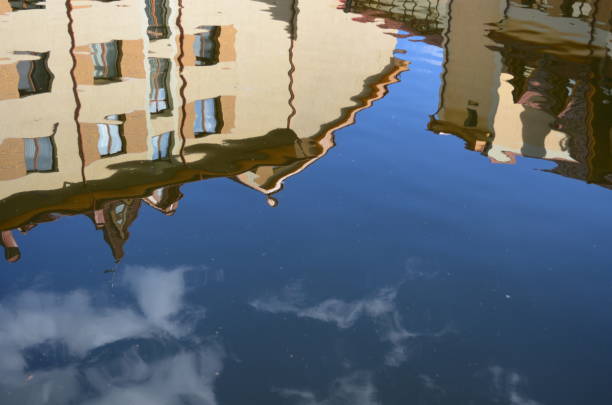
519,76
101,115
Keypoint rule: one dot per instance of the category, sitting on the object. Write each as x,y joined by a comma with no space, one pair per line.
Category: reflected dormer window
208,118
161,146
107,61
472,118
39,154
157,15
206,46
159,100
110,140
34,76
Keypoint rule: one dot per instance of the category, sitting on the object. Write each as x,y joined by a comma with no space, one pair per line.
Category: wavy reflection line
294,14
77,109
182,76
589,116
445,40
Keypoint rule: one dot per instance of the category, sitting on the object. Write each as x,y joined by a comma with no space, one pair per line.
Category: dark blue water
402,268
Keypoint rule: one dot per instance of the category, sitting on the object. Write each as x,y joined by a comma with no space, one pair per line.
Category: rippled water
315,202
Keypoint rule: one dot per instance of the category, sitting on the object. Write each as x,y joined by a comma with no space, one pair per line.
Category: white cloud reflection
507,384
187,375
77,326
354,389
381,308
343,314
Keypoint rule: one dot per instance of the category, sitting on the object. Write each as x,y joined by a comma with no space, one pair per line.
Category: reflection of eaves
426,22
139,178
279,12
554,36
116,224
375,88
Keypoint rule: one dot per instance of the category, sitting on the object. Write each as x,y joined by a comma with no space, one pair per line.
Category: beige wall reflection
105,103
529,79
521,78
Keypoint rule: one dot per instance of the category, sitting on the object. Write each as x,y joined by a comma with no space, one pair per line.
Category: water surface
305,202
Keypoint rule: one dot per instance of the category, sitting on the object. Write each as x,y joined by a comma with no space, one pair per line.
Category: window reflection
159,100
208,117
39,154
161,146
34,76
106,60
206,46
110,141
157,16
17,5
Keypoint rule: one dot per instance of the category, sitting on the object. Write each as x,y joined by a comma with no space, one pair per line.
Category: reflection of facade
531,83
98,118
424,18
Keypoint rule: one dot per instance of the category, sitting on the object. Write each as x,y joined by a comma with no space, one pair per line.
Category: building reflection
425,18
524,78
534,82
102,119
